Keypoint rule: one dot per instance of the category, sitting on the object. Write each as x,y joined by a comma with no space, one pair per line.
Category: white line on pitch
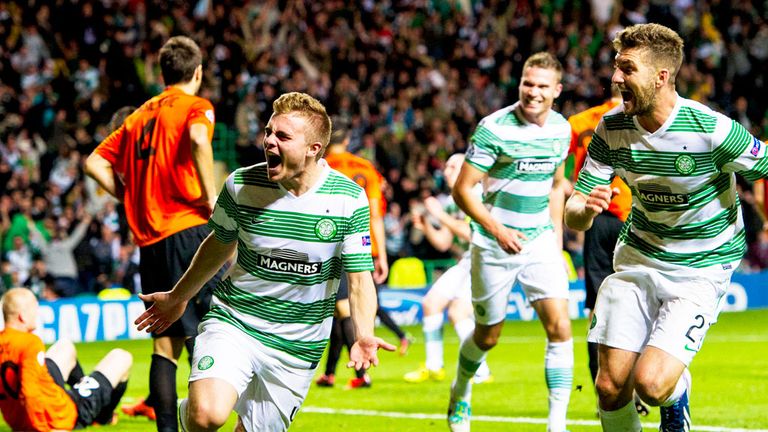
493,419
709,339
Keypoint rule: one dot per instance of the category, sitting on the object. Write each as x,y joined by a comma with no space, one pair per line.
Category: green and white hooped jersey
291,252
520,159
685,211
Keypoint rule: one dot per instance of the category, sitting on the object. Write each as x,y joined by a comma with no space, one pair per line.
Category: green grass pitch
730,385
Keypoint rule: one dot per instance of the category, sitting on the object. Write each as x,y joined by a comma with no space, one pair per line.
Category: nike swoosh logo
255,221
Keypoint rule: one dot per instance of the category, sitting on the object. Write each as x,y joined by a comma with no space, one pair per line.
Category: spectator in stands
35,396
59,257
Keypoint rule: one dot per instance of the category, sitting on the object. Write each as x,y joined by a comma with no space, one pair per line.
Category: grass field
730,387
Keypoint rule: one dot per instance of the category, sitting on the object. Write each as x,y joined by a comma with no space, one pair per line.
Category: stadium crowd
409,78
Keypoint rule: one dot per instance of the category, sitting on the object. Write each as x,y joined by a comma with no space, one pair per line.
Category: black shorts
599,242
91,395
343,292
162,265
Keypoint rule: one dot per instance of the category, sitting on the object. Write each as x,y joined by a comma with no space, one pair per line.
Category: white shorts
539,269
455,283
639,306
270,389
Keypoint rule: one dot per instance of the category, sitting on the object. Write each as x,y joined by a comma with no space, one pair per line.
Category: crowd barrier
85,319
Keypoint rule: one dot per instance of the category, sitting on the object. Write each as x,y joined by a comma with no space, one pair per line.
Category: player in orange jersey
33,396
163,155
601,239
363,173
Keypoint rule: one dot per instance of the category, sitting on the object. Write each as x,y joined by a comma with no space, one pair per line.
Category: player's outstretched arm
581,210
168,306
362,303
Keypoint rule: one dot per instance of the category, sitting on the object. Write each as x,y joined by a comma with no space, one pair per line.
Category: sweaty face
538,90
635,79
285,146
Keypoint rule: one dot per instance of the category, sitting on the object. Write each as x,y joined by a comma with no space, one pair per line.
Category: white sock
183,426
432,327
683,383
470,358
558,370
623,419
464,328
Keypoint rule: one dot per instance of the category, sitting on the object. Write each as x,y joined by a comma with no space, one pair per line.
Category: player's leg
558,359
624,312
222,368
433,306
493,274
614,387
115,367
64,354
690,306
545,282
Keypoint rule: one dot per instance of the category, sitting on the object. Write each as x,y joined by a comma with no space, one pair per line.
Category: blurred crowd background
409,78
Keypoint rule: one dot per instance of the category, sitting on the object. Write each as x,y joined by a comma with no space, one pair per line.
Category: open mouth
627,95
274,161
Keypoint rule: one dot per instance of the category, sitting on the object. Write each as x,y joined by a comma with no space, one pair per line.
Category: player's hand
433,206
510,240
363,353
380,269
599,199
163,312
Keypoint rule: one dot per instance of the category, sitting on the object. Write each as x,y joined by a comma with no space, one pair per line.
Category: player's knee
608,390
206,415
65,349
559,329
651,388
486,342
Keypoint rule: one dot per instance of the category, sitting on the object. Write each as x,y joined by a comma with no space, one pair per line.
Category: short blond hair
545,60
319,123
662,45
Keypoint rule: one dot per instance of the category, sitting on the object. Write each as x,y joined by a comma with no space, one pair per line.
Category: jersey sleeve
111,148
33,370
201,111
356,247
483,148
736,150
597,169
223,221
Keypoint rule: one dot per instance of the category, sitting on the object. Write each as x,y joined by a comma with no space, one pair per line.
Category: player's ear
315,149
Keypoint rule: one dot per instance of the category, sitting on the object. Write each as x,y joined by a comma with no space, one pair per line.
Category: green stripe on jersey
731,251
288,224
689,119
587,182
254,176
338,184
530,233
272,309
734,144
308,351
222,234
530,148
618,122
517,203
358,262
705,229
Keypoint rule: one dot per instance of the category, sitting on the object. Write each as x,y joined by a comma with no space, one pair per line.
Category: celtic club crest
325,229
685,164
